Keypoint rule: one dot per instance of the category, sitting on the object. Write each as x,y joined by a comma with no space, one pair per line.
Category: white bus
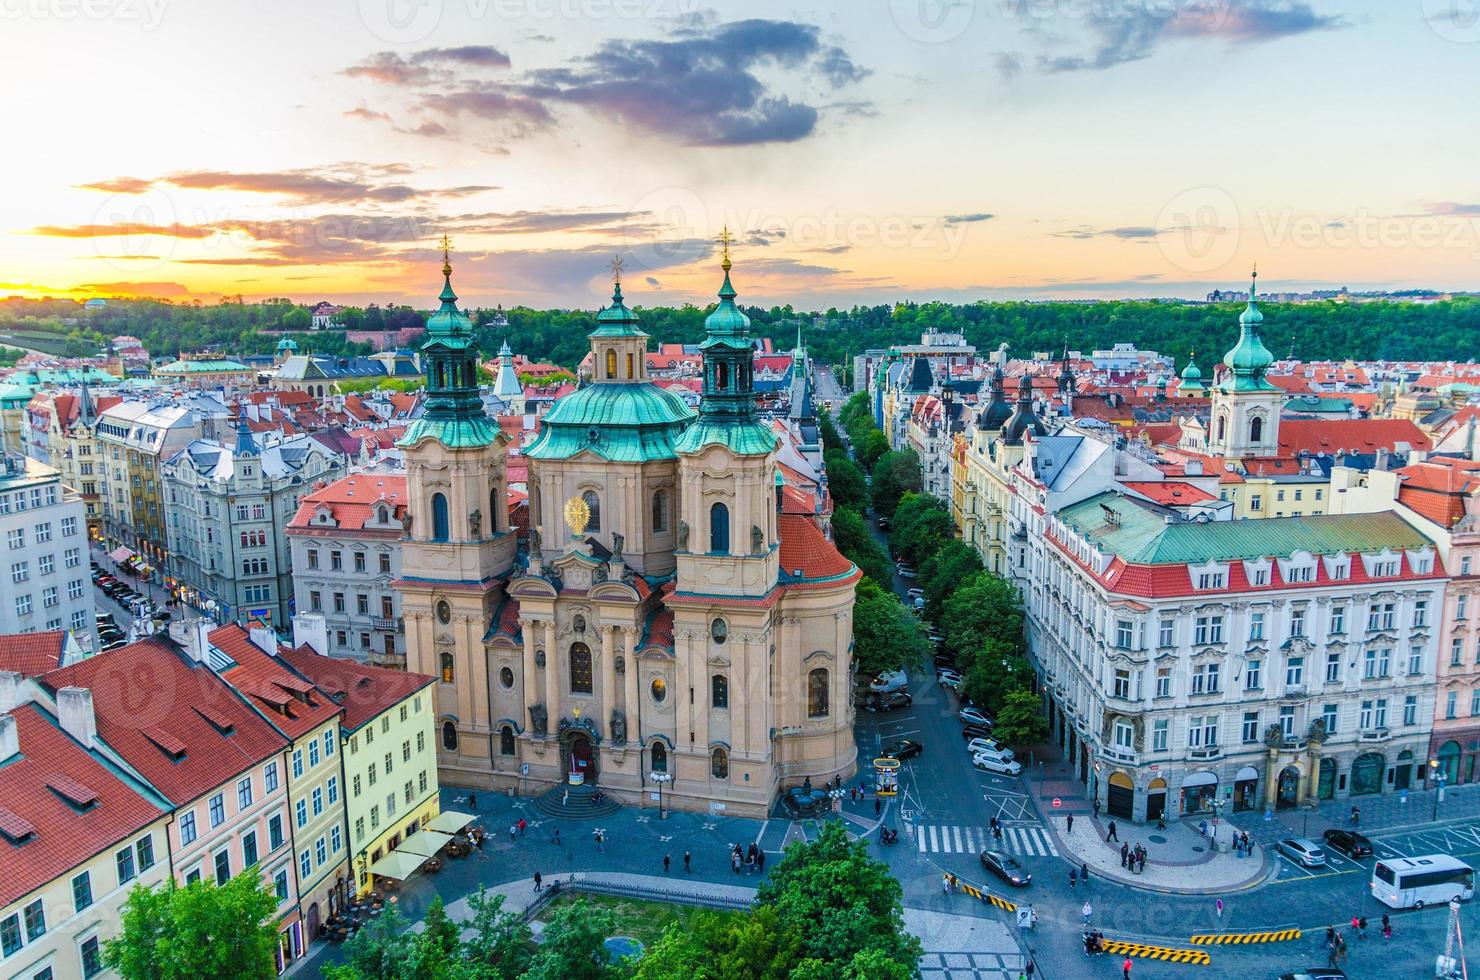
1414,882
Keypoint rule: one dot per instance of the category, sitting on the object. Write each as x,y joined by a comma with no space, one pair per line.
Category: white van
1412,883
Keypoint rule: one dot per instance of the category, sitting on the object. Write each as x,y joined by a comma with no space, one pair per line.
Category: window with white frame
1159,735
1125,736
1253,676
1250,732
1410,710
1122,688
1338,619
1163,682
1256,626
1205,679
1294,671
1168,633
1329,714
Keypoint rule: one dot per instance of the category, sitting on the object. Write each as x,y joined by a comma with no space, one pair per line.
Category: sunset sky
863,151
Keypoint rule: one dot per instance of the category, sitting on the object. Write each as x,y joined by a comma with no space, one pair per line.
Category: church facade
666,627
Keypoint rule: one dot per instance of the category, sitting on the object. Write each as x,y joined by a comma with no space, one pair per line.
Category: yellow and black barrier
1242,938
977,893
1169,954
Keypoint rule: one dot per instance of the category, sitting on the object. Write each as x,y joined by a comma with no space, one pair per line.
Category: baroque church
667,628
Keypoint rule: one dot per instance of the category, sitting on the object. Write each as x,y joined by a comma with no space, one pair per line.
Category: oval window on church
719,631
506,677
659,688
444,612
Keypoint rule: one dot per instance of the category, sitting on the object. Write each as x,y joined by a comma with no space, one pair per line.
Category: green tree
297,319
499,945
852,538
383,949
983,609
869,445
199,930
845,481
1020,720
886,635
994,674
945,571
839,902
895,474
831,439
921,527
571,945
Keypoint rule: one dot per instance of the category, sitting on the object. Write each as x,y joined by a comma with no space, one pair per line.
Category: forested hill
1315,331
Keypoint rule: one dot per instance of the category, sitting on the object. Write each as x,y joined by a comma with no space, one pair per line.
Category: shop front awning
398,865
450,821
425,843
120,555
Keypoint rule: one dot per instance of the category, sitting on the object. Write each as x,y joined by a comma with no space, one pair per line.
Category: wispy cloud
344,183
426,66
967,219
121,229
1131,233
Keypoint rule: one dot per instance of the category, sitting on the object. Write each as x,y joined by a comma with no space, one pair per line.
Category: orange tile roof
293,706
34,791
1437,489
362,690
804,547
351,500
29,654
1172,493
1332,436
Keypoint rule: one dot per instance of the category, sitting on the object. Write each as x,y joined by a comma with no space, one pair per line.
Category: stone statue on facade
683,535
1274,736
539,720
617,542
406,523
475,523
1318,730
757,538
535,545
619,726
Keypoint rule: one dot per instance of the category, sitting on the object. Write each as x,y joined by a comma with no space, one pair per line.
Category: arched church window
719,764
593,503
719,529
494,498
719,691
660,511
631,365
580,668
611,364
506,740
439,517
660,757
1256,428
449,736
817,693
447,672
1222,427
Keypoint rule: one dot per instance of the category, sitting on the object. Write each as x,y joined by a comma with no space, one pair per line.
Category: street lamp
660,778
1438,777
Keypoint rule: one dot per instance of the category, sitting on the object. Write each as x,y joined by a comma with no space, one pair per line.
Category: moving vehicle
994,763
903,749
974,716
1412,883
888,701
1348,842
893,680
978,745
1005,867
1303,851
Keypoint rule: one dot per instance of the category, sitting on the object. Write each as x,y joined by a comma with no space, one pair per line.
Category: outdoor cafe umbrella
398,865
424,842
450,821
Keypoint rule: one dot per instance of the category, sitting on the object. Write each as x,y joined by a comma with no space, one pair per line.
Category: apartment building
346,553
134,438
43,536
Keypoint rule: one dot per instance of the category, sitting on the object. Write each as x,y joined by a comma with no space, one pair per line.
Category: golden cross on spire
446,256
725,239
617,269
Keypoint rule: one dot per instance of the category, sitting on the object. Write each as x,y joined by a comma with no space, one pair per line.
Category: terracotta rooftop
29,654
1172,493
351,500
804,547
293,705
361,690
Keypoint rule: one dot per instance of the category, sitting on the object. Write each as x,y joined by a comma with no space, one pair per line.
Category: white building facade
43,531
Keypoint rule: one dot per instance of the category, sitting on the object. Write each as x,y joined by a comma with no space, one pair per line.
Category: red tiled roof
1333,436
293,706
29,654
804,547
148,685
1172,493
351,500
1294,384
34,788
660,628
361,690
1437,489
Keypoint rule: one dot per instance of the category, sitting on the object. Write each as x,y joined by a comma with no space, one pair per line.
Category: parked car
973,715
903,749
1348,842
890,700
969,732
988,762
945,660
915,593
892,680
978,745
919,605
114,645
105,618
1006,867
947,675
1303,851
1315,973
906,571
883,524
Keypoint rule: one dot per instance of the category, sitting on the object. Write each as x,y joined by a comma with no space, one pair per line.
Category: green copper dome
1249,358
1192,376
616,320
726,321
621,422
453,412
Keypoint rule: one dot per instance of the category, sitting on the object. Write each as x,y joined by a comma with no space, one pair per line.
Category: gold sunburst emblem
577,515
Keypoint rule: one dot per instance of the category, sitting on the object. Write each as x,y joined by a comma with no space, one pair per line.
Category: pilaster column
1313,776
608,676
683,710
531,672
1272,778
552,679
629,694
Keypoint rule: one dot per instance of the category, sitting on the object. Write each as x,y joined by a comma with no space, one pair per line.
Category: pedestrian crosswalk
955,839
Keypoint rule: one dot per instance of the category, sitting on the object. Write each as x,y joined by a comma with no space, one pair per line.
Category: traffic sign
1057,802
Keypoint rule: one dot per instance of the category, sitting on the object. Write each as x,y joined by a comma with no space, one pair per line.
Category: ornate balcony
394,625
1203,753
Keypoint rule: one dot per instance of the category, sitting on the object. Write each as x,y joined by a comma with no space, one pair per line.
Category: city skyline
547,137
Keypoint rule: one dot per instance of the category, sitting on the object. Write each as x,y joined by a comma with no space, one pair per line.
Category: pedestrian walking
473,801
945,884
1125,969
1356,924
1029,968
1097,809
1084,872
735,861
878,806
600,841
537,883
513,831
1202,829
1111,834
556,839
1073,877
478,842
997,832
1218,909
1387,927
686,868
522,825
852,794
1125,850
1069,829
1362,927
1087,911
666,862
1356,817
760,862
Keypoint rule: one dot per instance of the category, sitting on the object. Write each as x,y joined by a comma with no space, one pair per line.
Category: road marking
1169,954
940,839
1242,938
956,831
933,845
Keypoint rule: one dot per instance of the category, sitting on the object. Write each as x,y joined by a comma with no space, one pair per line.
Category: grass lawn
644,921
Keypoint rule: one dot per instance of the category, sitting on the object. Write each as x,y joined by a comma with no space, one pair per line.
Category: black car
1348,842
969,732
945,660
903,749
889,700
1005,867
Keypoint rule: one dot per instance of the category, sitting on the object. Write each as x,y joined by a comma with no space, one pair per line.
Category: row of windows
37,497
20,571
408,795
1205,678
1202,730
336,560
362,603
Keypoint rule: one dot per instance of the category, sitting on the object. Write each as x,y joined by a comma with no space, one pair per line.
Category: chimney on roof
75,712
1193,467
264,639
10,691
311,629
193,636
10,741
1382,458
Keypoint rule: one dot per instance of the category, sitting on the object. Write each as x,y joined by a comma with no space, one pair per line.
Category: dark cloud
1009,66
343,184
570,278
705,84
653,281
1131,32
966,219
534,222
1133,233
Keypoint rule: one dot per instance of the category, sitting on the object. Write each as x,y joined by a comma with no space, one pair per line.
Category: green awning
398,865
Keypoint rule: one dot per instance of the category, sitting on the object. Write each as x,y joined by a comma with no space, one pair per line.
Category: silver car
1303,851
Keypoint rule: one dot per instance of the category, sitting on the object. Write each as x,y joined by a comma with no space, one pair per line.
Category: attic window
218,721
14,827
75,793
167,743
